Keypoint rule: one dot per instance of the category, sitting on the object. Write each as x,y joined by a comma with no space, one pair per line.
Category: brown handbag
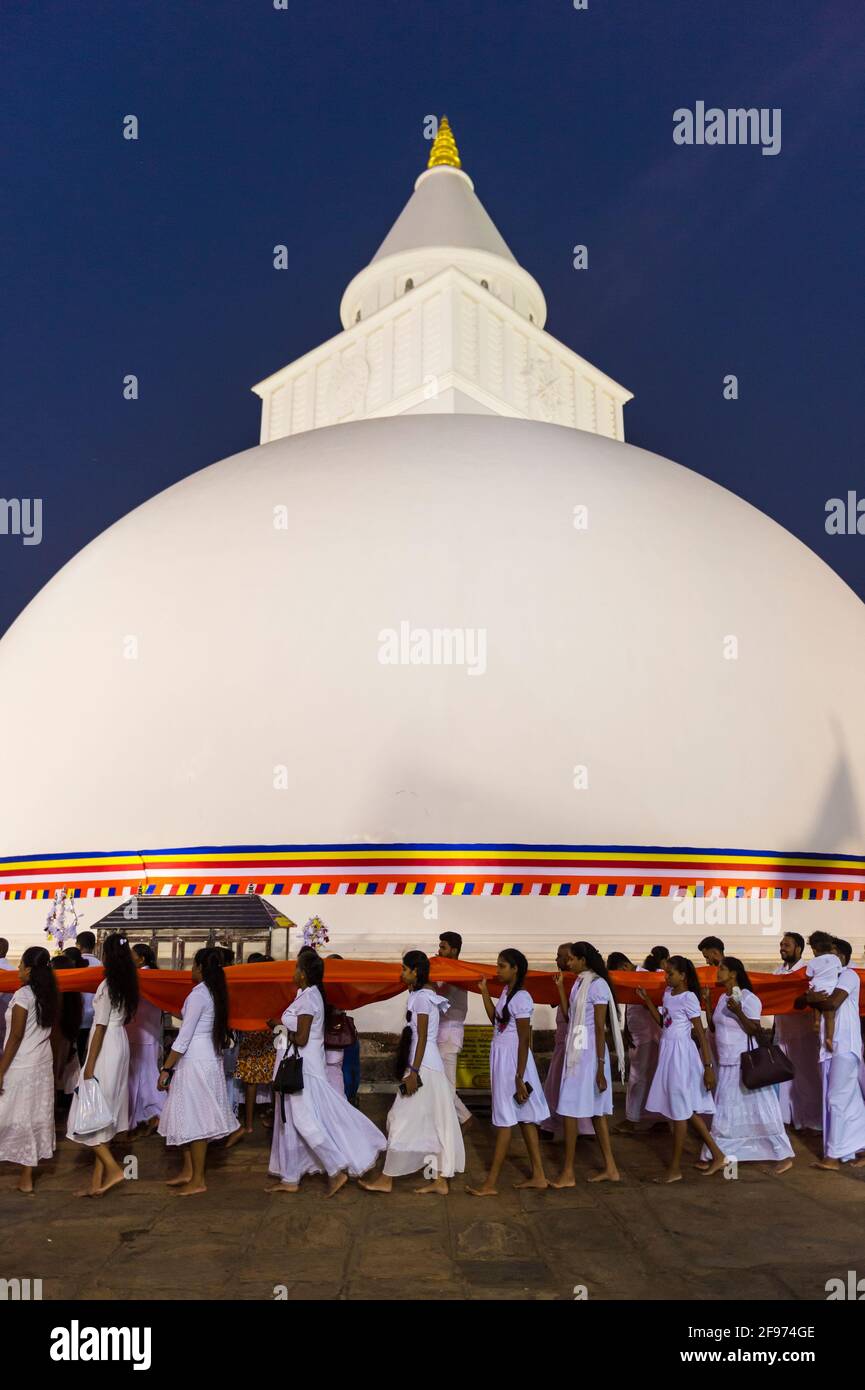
764,1064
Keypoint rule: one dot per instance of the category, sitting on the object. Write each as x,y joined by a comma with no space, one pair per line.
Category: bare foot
483,1191
179,1182
283,1187
702,1166
608,1175
188,1191
782,1166
236,1137
540,1184
668,1178
564,1180
830,1164
85,1192
715,1166
107,1186
439,1185
334,1184
379,1184
857,1162
26,1188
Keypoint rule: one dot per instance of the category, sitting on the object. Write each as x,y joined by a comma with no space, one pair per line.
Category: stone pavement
759,1238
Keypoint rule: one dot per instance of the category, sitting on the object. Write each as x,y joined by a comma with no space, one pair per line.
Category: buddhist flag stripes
472,870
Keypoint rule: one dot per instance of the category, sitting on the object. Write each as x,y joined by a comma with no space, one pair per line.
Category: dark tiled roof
238,912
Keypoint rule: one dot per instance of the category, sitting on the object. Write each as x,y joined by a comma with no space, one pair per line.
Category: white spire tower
442,320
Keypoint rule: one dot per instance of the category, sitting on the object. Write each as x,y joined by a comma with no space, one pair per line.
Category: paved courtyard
758,1238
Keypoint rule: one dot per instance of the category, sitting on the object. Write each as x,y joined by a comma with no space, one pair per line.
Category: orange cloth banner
262,991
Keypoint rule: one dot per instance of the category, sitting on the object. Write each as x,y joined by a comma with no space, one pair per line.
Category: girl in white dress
146,1101
518,1098
586,1090
114,1005
27,1068
747,1125
321,1132
197,1109
682,1087
423,1131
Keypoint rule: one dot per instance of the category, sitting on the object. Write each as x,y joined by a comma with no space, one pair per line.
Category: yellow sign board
473,1063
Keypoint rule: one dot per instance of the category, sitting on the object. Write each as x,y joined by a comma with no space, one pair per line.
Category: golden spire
444,150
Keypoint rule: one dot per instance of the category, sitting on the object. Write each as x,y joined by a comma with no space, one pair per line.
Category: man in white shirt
5,995
86,942
844,1108
802,1098
452,1024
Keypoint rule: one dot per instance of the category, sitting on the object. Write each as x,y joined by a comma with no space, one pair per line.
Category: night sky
305,127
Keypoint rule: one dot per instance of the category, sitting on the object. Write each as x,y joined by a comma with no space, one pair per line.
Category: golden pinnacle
444,151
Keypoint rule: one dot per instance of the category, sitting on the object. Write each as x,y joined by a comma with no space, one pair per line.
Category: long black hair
313,968
142,949
43,985
209,962
655,956
584,950
71,1005
735,966
419,962
518,960
686,967
121,975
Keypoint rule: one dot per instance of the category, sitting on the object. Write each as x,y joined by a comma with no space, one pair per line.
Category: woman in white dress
27,1068
197,1109
517,1095
144,1032
423,1131
114,1005
586,1091
642,1036
321,1132
747,1125
681,1090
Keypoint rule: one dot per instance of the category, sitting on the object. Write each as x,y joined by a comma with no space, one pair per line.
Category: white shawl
577,1040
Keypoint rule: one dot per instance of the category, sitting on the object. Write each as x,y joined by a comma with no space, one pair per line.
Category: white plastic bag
93,1112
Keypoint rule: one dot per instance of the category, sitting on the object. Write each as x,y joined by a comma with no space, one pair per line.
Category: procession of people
681,1061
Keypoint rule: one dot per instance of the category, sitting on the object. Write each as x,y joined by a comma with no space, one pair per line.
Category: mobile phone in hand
528,1093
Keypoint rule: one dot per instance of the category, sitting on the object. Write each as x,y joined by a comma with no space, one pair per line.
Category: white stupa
482,667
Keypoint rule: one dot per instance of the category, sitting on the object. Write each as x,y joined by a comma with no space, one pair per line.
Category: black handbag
764,1064
289,1076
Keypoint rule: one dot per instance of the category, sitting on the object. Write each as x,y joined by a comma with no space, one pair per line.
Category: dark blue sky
305,127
